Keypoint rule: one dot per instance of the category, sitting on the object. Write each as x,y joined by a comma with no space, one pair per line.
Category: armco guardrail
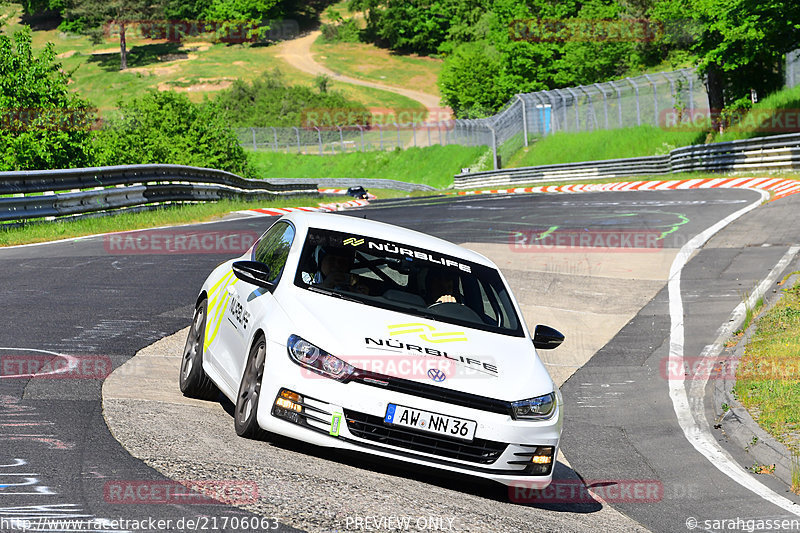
762,154
565,172
377,183
52,193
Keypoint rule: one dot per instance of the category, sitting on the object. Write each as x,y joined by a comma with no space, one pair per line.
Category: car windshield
407,279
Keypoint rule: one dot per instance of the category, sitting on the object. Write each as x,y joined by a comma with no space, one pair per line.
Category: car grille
432,392
373,428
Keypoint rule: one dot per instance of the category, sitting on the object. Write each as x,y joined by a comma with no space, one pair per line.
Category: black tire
193,380
246,415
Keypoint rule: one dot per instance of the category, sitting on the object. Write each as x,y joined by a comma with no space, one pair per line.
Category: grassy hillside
776,114
434,165
195,66
602,144
370,63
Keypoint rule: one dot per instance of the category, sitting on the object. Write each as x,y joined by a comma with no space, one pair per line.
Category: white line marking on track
695,427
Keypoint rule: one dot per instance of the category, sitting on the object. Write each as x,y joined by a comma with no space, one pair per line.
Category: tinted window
407,279
273,247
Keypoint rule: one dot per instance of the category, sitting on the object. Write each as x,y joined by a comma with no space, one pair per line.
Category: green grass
434,165
370,63
759,121
339,8
166,216
196,66
768,376
602,144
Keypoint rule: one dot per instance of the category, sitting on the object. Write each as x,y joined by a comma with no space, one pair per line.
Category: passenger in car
335,269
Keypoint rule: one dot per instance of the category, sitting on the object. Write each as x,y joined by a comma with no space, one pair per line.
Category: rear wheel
193,380
245,418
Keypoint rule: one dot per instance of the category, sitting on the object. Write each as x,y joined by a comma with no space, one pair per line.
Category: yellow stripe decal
215,308
417,327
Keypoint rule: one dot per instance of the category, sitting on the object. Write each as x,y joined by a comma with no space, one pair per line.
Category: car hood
419,349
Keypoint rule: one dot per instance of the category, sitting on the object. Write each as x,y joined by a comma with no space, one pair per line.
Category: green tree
106,16
740,44
240,15
166,127
269,101
423,25
469,79
44,125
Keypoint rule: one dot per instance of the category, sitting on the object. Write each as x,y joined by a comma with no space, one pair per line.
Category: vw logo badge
436,375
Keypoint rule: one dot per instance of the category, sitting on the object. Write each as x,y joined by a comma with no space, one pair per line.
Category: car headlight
317,360
539,408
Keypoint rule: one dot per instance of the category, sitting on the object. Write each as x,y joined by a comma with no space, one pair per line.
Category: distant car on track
358,192
358,335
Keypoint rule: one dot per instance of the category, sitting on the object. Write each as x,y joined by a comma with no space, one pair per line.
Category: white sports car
359,335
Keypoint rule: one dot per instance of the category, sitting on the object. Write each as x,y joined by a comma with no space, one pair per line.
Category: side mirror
253,272
546,338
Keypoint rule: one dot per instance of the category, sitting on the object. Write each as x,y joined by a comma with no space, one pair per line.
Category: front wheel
245,418
193,380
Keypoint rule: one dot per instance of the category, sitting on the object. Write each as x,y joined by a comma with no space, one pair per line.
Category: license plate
449,426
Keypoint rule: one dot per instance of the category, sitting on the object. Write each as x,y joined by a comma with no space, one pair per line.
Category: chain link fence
654,99
346,139
646,99
793,69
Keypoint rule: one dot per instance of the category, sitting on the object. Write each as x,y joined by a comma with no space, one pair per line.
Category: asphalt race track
99,305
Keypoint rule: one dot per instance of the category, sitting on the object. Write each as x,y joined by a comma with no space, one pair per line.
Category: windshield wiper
333,292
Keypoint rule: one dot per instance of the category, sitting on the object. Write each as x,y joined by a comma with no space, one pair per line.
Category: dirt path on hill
297,52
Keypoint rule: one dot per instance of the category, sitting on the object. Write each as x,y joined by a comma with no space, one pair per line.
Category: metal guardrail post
691,93
494,146
655,99
564,105
605,102
577,114
275,136
524,119
638,109
673,93
619,101
552,99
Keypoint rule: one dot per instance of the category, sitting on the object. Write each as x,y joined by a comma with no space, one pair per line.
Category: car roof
380,230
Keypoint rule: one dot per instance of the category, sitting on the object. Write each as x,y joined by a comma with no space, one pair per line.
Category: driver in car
440,287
